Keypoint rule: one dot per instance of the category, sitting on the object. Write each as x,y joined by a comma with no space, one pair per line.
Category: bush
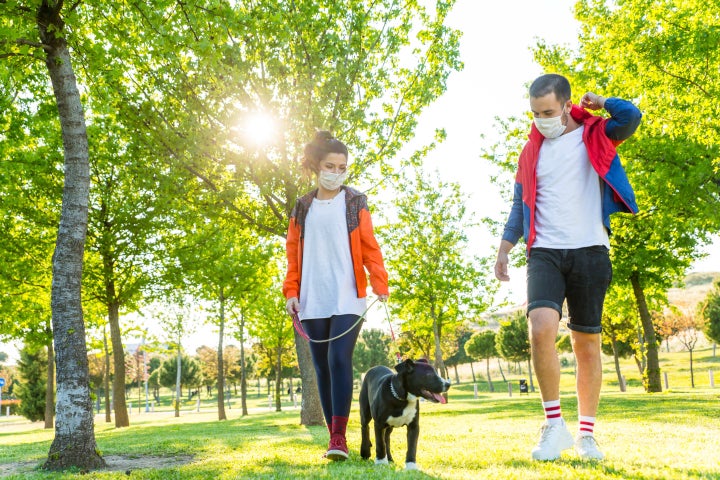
32,383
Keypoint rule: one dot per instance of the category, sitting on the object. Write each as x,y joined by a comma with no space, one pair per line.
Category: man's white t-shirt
327,286
568,204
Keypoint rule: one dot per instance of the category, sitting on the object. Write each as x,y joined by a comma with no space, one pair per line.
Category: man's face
547,106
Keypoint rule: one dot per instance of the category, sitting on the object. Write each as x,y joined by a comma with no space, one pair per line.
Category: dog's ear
423,360
405,367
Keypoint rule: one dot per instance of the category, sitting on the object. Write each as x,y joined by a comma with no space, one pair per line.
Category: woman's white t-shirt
327,286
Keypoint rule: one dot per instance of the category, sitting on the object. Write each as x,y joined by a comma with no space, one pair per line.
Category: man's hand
383,298
501,265
292,306
592,101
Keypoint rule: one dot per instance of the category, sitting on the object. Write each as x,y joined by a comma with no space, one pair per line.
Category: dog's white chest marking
408,413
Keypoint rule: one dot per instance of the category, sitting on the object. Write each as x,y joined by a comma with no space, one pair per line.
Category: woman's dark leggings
333,361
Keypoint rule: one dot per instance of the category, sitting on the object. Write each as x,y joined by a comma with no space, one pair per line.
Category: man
569,181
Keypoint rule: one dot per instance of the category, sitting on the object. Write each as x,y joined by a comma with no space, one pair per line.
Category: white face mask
551,127
331,181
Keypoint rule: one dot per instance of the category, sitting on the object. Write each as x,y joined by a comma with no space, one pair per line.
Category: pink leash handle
299,328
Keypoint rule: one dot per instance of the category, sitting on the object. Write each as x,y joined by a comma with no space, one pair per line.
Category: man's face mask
551,127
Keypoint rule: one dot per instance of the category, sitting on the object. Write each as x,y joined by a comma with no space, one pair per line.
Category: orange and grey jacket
364,249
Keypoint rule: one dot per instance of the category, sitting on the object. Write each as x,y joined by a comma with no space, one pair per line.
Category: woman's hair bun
322,144
322,137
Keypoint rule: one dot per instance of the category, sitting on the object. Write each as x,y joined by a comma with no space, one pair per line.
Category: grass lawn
674,434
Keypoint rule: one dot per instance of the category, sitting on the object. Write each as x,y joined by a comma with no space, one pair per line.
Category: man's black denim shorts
580,275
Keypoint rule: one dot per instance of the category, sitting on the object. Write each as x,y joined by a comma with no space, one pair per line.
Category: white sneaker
553,440
587,448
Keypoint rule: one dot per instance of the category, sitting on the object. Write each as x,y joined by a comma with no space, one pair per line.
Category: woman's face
333,163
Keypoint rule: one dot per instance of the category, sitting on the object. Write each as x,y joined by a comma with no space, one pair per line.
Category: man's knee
586,345
543,322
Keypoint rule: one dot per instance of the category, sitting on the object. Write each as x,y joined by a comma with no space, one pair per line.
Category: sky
495,48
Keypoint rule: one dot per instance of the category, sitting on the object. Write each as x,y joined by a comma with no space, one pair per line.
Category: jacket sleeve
514,225
372,256
291,285
624,119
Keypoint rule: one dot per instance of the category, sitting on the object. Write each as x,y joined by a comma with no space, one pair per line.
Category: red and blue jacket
601,137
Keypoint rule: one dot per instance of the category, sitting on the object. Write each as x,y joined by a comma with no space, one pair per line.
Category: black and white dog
391,400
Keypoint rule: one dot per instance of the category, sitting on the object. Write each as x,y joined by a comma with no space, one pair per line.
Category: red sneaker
337,450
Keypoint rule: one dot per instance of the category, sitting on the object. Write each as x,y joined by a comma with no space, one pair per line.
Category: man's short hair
551,83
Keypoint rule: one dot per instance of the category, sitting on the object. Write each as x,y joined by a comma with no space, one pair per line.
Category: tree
127,220
513,341
32,385
373,348
74,443
435,286
482,345
621,335
687,327
710,311
190,375
274,333
177,320
223,263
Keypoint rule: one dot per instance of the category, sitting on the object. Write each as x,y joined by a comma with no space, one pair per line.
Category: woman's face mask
331,181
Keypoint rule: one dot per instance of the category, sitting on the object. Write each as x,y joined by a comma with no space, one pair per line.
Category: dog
392,400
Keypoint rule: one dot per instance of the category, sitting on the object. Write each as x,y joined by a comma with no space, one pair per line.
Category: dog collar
394,393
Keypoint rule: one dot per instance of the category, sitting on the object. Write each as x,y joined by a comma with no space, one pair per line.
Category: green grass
673,434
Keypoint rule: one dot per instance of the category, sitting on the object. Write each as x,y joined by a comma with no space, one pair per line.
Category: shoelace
591,439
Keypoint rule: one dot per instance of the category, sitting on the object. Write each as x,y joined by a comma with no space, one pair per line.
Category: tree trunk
310,408
457,376
501,371
651,376
617,364
119,405
278,380
487,370
139,378
472,370
178,376
74,444
692,373
221,368
243,370
530,376
50,388
106,378
439,363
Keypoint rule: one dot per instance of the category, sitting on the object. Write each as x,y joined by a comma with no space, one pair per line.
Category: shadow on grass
576,468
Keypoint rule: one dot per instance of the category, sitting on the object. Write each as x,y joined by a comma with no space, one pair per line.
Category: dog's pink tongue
438,397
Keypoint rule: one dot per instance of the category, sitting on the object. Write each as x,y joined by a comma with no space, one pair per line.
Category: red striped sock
586,426
553,414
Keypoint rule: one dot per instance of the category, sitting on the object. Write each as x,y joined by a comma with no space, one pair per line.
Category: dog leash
303,334
392,334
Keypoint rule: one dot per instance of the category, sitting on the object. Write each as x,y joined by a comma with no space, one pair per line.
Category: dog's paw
411,466
381,461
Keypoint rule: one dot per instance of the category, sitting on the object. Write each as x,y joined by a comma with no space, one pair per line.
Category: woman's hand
383,298
292,306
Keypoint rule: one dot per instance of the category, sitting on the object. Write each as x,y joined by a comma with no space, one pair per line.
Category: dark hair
320,147
551,83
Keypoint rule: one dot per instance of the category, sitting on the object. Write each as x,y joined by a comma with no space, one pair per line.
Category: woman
330,243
